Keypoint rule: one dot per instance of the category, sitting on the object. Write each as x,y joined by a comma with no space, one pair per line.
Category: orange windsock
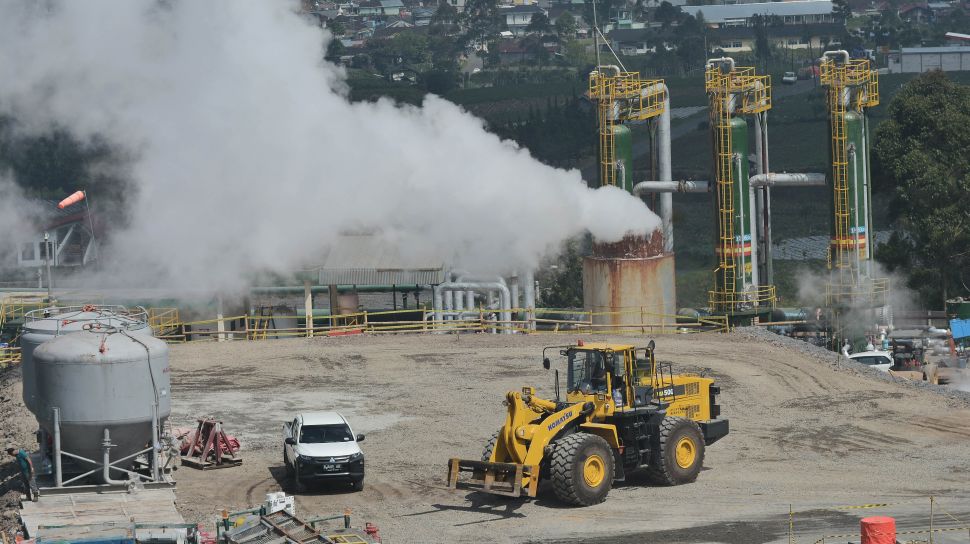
73,199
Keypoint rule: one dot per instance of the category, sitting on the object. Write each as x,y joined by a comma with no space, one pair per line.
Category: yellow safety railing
9,356
164,321
540,321
636,321
14,308
874,292
763,297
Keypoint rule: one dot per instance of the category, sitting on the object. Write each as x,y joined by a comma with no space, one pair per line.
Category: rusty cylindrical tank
633,280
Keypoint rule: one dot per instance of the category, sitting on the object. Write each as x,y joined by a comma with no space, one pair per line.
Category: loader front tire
582,469
680,452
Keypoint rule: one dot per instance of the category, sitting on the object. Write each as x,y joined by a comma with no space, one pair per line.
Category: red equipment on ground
210,447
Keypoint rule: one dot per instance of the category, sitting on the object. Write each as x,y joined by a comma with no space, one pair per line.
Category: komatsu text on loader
622,412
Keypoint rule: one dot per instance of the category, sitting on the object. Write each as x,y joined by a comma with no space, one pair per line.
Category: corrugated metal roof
919,50
719,14
373,260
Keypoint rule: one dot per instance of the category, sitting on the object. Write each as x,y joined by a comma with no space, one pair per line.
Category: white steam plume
248,155
16,219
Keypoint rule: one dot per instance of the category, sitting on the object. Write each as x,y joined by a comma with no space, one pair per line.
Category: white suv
321,447
881,360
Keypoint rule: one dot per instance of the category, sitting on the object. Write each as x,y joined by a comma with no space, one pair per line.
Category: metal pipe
766,181
682,186
58,474
220,321
758,208
615,68
156,446
664,172
470,303
737,161
529,285
515,291
308,307
766,196
437,301
459,301
106,461
853,153
838,53
94,241
866,203
47,263
787,180
323,289
722,60
478,286
868,170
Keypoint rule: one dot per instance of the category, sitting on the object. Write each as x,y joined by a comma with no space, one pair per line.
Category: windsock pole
76,197
94,240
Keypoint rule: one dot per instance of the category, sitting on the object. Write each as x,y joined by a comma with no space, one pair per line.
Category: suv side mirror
289,440
546,363
360,438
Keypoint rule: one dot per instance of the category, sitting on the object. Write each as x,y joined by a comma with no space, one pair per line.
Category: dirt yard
806,431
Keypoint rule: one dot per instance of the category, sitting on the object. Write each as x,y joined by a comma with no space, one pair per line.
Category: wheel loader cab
587,371
615,375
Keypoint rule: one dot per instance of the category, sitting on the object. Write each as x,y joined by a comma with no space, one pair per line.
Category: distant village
402,38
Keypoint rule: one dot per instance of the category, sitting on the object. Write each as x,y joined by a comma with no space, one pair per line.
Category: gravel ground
808,428
17,431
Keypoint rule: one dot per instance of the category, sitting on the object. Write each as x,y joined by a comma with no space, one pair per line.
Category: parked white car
789,78
881,360
321,447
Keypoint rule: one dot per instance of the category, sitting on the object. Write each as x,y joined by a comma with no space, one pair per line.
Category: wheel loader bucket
495,478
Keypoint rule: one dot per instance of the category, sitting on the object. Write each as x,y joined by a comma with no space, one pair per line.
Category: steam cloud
247,155
16,220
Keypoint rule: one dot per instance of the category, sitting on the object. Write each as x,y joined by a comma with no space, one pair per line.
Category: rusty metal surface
639,288
631,247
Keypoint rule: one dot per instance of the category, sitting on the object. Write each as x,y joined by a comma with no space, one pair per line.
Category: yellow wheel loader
622,412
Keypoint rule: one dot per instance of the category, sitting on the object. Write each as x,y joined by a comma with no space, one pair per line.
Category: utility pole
47,262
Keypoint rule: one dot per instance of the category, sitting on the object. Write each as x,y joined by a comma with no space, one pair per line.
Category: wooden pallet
195,462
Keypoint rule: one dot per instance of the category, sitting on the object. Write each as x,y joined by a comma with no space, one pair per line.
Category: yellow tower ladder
719,90
621,97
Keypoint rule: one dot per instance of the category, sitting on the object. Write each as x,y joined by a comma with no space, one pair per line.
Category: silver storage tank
102,380
42,325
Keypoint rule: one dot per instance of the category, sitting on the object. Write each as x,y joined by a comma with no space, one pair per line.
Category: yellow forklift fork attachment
495,478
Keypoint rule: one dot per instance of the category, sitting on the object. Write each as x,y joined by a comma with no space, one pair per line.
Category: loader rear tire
582,469
680,452
489,448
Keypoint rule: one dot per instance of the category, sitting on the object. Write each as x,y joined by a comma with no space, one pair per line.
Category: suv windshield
587,371
319,434
872,360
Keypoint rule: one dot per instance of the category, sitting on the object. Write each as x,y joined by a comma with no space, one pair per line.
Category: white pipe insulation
664,171
485,287
768,180
681,186
529,292
722,60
